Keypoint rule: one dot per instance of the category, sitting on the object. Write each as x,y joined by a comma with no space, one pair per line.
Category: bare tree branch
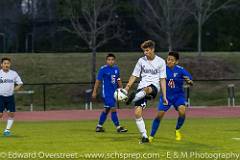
91,19
222,6
202,10
94,22
164,19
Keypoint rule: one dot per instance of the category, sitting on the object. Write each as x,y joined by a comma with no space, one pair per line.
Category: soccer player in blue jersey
176,76
109,76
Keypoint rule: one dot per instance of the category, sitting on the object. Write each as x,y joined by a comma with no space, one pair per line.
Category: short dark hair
5,59
174,54
110,55
148,44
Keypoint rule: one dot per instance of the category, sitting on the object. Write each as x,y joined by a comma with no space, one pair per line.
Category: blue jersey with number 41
109,75
175,80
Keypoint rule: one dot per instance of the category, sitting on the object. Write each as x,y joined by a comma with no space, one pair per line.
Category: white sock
139,95
99,125
141,127
9,123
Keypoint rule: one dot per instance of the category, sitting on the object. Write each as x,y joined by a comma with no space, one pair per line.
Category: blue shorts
7,103
174,101
109,102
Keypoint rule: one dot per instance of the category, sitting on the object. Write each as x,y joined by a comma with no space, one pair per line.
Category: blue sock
102,118
180,122
155,125
115,118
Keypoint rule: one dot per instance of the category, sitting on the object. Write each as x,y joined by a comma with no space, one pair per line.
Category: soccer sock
9,123
115,118
141,127
102,118
155,125
180,122
139,95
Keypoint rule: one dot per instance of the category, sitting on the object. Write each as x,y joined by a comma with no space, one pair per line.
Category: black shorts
143,102
7,103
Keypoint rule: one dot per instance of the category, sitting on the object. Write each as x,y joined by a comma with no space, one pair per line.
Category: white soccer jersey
150,71
8,81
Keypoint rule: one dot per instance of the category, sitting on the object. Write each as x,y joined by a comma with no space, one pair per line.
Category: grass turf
200,135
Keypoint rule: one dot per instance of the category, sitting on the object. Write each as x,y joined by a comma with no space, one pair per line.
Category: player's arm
136,73
187,77
131,80
119,81
164,89
96,86
163,84
18,82
97,83
188,80
17,87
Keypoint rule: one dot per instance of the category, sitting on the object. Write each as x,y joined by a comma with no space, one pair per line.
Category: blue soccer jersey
175,80
175,92
109,76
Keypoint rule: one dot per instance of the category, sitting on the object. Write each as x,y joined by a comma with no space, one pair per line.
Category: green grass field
200,136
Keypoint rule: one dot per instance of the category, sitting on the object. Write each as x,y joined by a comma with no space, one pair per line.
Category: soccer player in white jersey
152,71
9,83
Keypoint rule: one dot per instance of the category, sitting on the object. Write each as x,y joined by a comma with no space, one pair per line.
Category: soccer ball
120,95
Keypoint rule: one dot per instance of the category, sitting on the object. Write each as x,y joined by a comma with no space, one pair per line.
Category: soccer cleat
150,139
100,129
121,129
144,140
130,98
178,135
6,133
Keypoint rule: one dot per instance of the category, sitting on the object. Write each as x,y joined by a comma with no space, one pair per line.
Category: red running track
214,112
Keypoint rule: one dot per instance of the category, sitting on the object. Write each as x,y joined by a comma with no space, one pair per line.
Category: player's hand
17,88
94,95
188,81
165,101
124,90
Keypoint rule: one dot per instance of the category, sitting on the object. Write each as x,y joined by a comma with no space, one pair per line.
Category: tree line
118,25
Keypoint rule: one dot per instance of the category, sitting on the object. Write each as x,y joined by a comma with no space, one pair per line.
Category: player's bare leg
9,124
140,124
135,96
180,121
115,120
155,124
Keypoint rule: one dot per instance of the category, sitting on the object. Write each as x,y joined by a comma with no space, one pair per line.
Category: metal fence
59,96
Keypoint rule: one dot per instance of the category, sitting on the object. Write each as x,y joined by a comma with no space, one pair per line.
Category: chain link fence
66,96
